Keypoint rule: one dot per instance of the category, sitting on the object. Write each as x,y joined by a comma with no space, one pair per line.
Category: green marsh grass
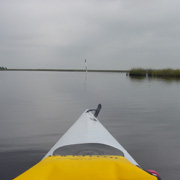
137,72
155,72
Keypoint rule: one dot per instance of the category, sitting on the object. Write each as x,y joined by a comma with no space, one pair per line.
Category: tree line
3,68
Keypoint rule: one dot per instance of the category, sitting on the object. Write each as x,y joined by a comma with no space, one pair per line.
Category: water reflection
85,81
137,78
165,79
150,79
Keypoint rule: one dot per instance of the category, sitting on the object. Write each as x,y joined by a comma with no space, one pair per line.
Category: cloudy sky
110,34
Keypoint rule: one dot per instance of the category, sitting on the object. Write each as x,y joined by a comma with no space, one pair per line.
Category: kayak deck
88,130
87,151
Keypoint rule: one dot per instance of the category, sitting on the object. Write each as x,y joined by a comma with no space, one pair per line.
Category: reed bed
155,72
137,72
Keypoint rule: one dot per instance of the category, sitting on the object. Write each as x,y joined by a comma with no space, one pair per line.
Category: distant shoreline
68,70
134,72
168,72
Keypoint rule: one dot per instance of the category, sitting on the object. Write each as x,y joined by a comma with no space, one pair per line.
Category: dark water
36,108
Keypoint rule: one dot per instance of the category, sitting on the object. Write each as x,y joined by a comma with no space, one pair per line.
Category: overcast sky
110,34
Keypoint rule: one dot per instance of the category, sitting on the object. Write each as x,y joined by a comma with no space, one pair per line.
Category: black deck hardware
96,110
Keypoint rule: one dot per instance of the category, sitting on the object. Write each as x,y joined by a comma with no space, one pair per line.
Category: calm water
36,108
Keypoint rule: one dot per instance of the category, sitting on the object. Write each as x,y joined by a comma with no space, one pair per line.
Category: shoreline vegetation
134,72
140,72
3,68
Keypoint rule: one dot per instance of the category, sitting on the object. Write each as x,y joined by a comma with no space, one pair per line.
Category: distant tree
3,68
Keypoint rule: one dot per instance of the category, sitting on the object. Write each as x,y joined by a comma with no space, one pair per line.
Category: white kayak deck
88,129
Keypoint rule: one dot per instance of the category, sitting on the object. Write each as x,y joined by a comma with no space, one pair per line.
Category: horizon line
70,70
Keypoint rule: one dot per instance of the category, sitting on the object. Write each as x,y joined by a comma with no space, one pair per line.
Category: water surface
37,108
